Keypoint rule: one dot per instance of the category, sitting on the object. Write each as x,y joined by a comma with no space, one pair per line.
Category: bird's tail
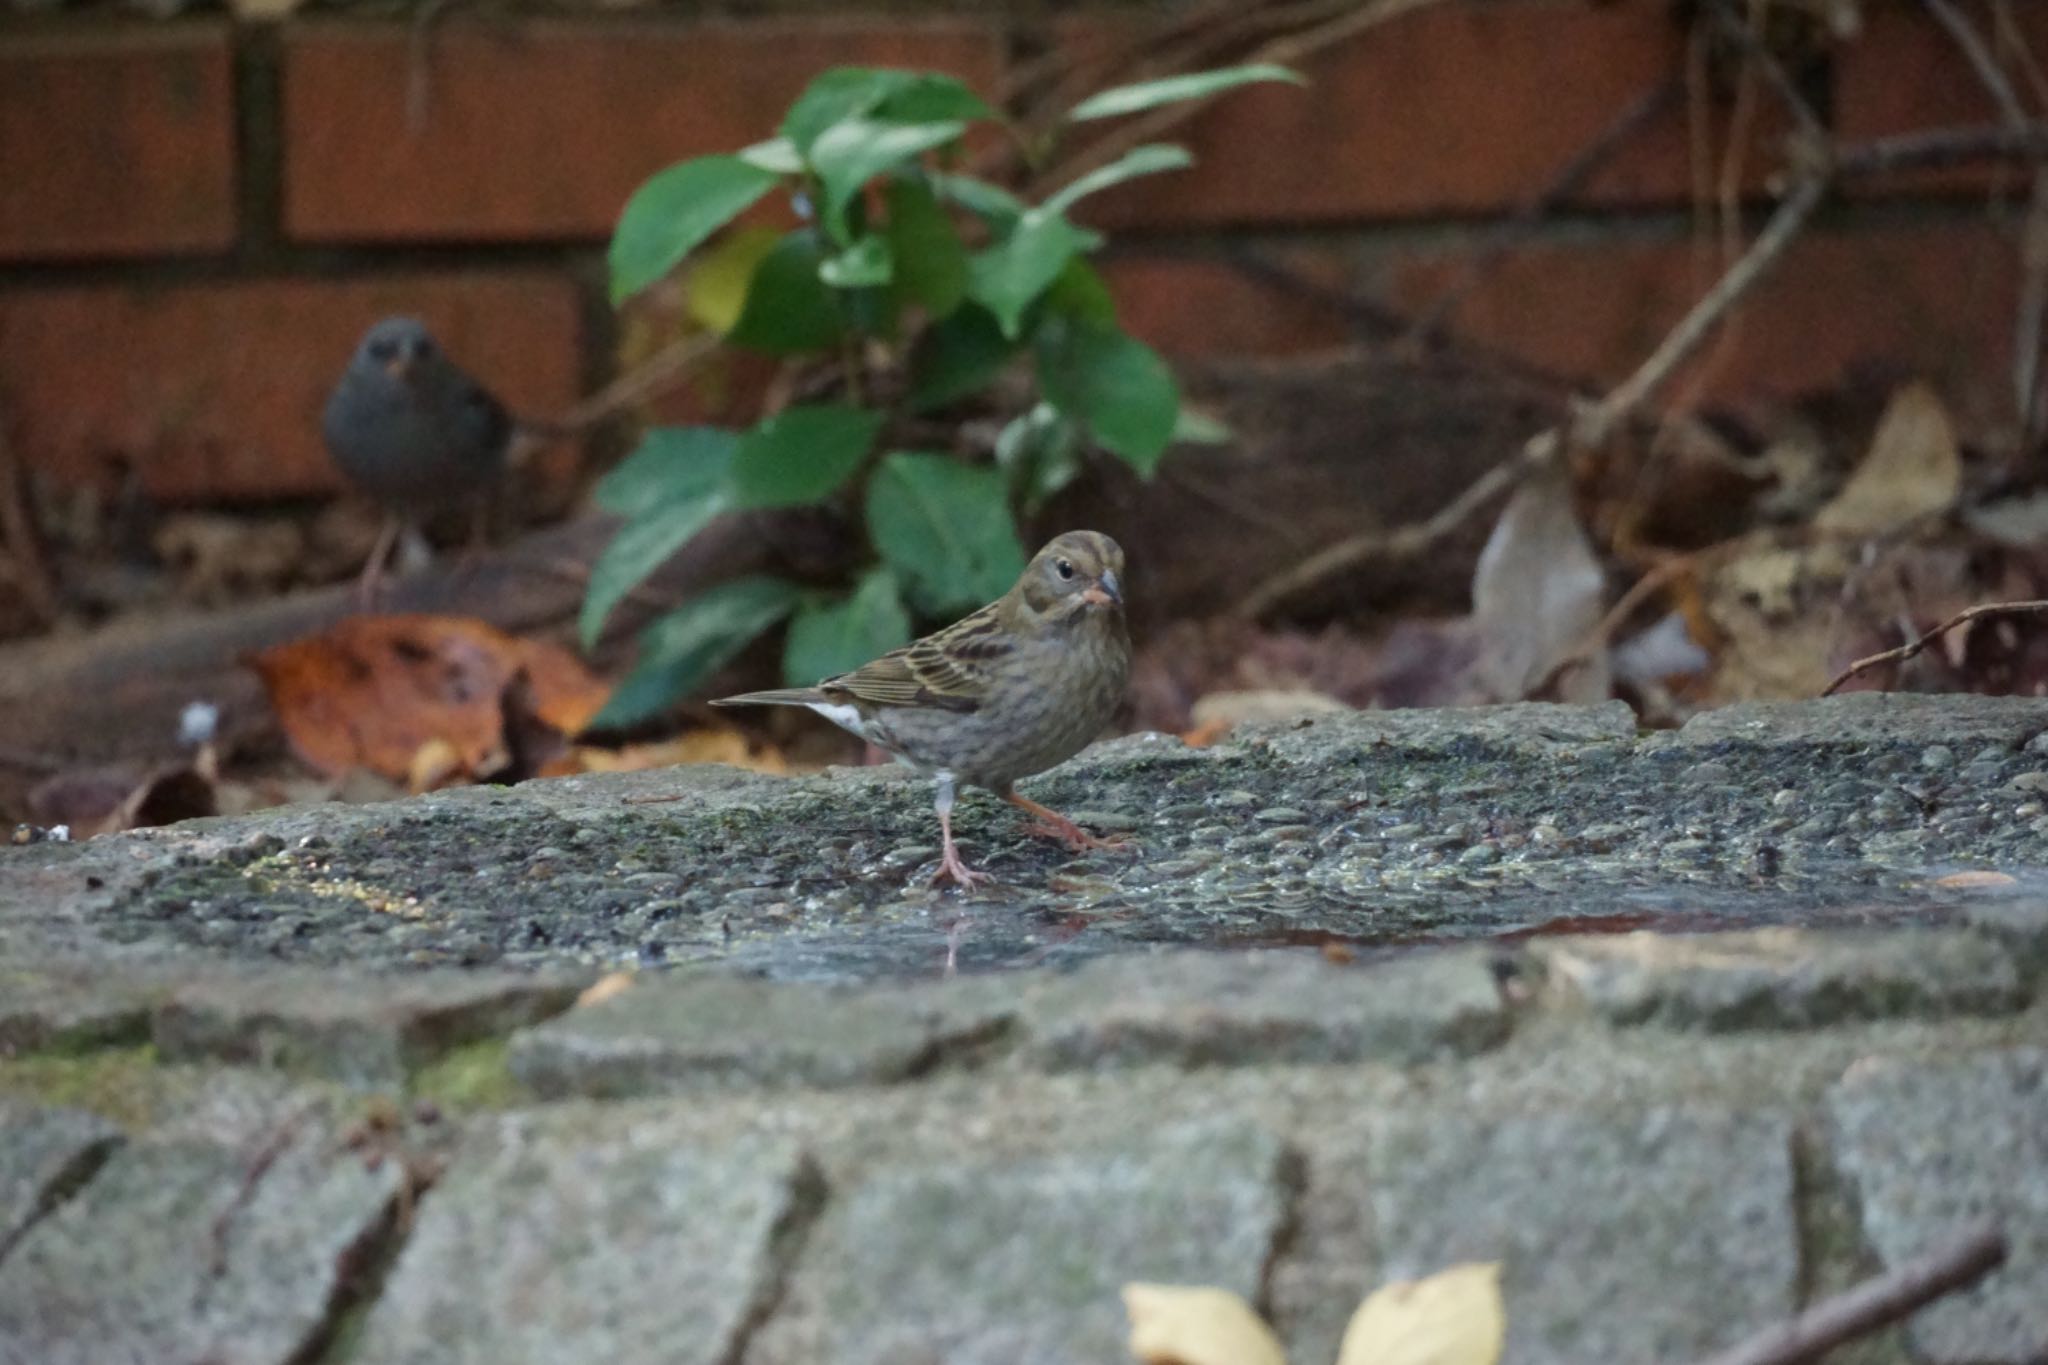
781,696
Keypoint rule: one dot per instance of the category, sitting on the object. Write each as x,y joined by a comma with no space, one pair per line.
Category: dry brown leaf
1188,1325
1453,1317
371,691
604,988
711,744
1976,880
1536,593
435,764
1913,467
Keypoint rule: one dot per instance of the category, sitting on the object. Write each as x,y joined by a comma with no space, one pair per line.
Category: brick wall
198,219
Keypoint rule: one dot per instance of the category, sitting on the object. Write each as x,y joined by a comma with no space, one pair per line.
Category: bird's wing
947,670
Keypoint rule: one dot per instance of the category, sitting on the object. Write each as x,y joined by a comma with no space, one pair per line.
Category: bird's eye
383,348
423,347
1064,567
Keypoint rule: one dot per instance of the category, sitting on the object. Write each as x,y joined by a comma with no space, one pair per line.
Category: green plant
920,285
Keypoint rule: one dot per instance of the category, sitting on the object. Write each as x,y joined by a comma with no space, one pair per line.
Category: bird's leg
371,581
1050,824
949,861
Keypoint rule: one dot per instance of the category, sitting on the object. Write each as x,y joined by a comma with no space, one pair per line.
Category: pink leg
949,861
371,584
1050,824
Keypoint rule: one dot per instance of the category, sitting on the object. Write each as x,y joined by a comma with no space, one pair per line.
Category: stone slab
591,1236
1787,978
706,1032
1865,718
1628,1241
1236,1009
351,1027
73,1006
984,1262
45,1154
1931,1149
189,1250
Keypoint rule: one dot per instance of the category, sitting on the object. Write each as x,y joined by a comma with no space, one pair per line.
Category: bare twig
1931,148
419,64
1912,648
1875,1303
1569,179
1978,54
1405,542
654,375
1289,49
20,539
1739,31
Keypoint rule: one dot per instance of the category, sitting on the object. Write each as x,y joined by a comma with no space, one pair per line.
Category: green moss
122,1084
478,1076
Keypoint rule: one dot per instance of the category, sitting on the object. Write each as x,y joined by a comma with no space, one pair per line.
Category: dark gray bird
408,427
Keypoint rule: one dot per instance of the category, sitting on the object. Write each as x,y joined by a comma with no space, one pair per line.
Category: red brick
1458,108
213,391
117,143
1935,301
1196,306
544,128
1904,73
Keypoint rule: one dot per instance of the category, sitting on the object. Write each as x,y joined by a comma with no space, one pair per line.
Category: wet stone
1659,1237
1019,1261
538,1245
192,1250
707,1032
1787,978
358,1029
1197,1009
1933,1149
45,1154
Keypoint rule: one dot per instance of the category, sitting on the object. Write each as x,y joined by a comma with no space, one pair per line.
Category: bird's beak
399,366
1106,592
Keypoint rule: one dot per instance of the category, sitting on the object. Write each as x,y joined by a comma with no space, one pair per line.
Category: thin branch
1978,54
656,374
1875,1303
1931,148
1913,648
19,536
1570,178
1775,75
1404,542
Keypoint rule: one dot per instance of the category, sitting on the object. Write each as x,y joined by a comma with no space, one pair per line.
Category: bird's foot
1050,824
951,866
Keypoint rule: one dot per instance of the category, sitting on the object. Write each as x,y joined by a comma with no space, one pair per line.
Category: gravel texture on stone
1376,830
1932,1150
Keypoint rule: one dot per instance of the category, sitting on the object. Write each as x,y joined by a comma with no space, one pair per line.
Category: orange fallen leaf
604,988
1976,880
712,744
1205,734
372,691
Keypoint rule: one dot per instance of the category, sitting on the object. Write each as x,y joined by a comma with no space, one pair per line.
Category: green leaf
1147,160
829,638
928,97
1080,292
855,150
842,92
789,309
1129,99
1010,275
867,262
1117,386
777,154
945,529
1199,428
670,464
641,546
1040,452
682,649
931,262
957,355
992,204
801,454
722,277
674,210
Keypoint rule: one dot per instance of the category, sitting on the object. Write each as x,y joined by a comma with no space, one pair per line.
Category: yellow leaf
721,277
1913,468
604,988
1454,1317
1977,880
1183,1325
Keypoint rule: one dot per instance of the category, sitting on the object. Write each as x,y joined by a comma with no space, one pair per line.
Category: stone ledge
1787,978
45,1154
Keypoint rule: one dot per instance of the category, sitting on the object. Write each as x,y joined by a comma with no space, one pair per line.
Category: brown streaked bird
1018,687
